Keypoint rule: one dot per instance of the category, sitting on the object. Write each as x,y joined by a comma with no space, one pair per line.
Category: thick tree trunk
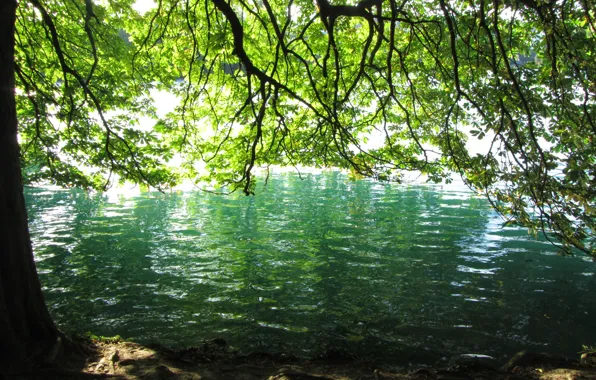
26,328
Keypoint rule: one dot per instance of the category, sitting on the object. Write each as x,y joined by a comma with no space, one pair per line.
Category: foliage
88,336
588,349
296,82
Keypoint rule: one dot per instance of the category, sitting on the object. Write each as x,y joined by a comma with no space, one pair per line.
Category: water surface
405,274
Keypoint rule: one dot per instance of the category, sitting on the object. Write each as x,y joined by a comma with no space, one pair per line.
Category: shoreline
102,358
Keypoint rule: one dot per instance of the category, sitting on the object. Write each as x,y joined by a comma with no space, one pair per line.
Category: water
402,274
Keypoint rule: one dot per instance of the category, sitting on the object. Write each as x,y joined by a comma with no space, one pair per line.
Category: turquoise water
403,274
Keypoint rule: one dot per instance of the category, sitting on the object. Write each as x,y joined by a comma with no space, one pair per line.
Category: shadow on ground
213,360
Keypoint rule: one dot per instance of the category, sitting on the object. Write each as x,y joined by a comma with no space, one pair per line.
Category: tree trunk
26,328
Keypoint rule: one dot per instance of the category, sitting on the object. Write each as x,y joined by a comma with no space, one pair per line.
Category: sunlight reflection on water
401,273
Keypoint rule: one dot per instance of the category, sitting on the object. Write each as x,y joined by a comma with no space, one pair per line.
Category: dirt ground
114,359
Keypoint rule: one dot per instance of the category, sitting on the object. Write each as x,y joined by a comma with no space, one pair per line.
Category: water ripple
384,270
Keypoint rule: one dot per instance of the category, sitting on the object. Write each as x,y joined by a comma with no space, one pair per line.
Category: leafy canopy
302,82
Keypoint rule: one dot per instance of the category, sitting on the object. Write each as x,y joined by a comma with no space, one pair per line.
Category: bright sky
167,102
144,6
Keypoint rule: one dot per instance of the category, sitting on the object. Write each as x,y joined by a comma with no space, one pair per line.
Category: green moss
103,339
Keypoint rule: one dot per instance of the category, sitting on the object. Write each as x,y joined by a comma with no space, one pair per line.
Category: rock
588,358
101,366
423,372
452,375
219,342
293,375
474,362
535,359
568,374
483,376
158,373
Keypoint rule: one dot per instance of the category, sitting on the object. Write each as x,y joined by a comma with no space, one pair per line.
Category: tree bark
26,328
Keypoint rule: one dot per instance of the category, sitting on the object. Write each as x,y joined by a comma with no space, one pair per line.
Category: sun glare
143,6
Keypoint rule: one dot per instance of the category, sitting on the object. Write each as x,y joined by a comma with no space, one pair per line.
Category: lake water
403,274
